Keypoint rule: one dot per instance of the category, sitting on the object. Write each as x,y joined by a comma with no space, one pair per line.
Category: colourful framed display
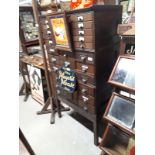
123,73
121,112
60,31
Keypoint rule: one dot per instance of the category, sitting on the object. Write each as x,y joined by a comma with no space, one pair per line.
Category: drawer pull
81,33
50,42
65,55
85,108
53,60
84,68
84,80
80,25
58,92
47,26
81,39
51,50
84,90
46,21
85,99
48,32
80,18
83,58
67,64
55,69
81,46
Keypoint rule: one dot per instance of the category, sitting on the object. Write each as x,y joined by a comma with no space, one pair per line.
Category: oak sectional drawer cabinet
95,44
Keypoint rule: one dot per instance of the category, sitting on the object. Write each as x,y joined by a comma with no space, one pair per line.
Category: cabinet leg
95,133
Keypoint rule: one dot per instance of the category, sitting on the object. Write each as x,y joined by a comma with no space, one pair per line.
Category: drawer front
86,89
86,39
85,57
85,32
89,69
81,17
85,79
82,25
87,103
51,50
84,46
61,92
67,61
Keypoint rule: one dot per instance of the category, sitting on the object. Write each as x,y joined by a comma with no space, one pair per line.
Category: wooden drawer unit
88,69
93,56
81,17
85,57
86,89
85,79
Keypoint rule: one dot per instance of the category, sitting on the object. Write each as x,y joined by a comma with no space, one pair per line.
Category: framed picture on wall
60,30
123,73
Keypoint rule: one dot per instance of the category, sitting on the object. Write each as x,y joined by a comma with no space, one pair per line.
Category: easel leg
52,121
44,109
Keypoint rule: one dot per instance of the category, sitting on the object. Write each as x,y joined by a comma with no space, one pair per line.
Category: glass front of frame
124,73
122,111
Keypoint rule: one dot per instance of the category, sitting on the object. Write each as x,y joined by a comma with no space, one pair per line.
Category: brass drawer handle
85,99
47,26
83,58
81,33
84,80
55,69
84,68
85,108
58,92
51,50
80,25
67,64
46,21
53,59
50,42
48,32
80,18
84,90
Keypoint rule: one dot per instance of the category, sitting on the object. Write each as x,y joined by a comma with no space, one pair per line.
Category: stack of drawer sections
93,43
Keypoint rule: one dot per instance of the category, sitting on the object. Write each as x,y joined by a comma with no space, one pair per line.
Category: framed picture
121,112
123,73
36,84
60,31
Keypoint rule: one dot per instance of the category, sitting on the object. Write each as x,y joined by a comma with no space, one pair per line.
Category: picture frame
123,73
60,31
121,113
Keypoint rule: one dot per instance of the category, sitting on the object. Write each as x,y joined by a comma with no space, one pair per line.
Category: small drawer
86,89
84,46
81,17
85,79
67,61
85,32
47,36
86,39
82,25
54,59
89,69
85,57
63,93
87,103
54,68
